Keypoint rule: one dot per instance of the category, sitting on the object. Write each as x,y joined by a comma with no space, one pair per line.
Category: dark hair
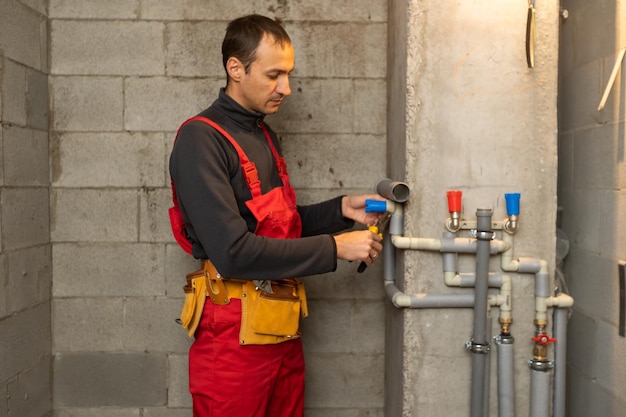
244,34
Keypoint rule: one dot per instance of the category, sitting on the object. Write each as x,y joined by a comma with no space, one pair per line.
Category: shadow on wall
590,183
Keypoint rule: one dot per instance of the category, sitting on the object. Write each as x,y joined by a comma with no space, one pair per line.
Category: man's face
266,83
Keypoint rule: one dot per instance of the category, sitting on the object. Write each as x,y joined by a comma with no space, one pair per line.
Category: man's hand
360,245
353,207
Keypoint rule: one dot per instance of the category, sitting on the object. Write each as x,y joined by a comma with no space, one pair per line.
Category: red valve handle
543,339
454,201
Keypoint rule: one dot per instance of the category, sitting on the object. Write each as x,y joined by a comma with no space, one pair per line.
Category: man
253,230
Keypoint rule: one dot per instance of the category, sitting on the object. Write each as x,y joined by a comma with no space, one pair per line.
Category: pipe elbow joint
453,224
509,264
397,297
511,224
452,279
401,300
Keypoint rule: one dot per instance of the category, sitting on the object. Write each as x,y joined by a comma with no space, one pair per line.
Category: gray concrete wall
591,193
25,252
463,112
124,75
478,120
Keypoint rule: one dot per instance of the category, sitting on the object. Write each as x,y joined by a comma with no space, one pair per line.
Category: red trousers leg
230,380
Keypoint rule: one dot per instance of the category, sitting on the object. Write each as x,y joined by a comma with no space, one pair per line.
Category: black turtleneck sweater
212,193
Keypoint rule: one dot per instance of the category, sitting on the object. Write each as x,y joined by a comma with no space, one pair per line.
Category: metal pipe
479,345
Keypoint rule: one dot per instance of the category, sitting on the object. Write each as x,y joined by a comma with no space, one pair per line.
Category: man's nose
283,87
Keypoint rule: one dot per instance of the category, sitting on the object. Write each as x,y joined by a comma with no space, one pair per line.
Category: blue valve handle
375,206
512,203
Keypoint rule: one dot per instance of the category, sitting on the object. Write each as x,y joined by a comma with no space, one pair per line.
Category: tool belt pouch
272,318
195,296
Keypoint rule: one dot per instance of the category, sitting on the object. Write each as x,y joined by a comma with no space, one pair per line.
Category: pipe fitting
560,301
453,224
396,224
393,190
510,225
454,207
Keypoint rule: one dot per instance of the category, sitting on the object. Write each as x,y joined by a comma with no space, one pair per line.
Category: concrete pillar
466,112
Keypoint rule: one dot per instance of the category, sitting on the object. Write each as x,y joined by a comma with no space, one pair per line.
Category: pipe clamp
483,235
540,365
504,340
477,347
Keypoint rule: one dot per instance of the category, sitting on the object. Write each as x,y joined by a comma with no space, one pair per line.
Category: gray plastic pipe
479,342
506,377
400,299
487,381
393,190
559,328
539,393
540,380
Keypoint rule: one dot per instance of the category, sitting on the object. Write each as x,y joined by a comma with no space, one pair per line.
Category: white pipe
402,242
522,265
506,291
561,301
468,280
456,245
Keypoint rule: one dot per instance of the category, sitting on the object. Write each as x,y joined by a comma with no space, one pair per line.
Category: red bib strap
248,167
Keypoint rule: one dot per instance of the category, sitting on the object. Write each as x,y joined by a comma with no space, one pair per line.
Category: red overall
227,379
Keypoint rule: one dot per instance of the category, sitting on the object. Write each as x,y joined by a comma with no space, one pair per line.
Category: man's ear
235,68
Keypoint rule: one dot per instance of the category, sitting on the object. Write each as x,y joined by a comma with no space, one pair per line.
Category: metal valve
543,339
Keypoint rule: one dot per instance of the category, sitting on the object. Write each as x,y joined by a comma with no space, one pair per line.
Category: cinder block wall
124,75
592,184
25,253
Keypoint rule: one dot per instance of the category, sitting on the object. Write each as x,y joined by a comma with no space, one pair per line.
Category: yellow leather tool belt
266,317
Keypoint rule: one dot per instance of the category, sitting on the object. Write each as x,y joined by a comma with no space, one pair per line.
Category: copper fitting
505,324
540,353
